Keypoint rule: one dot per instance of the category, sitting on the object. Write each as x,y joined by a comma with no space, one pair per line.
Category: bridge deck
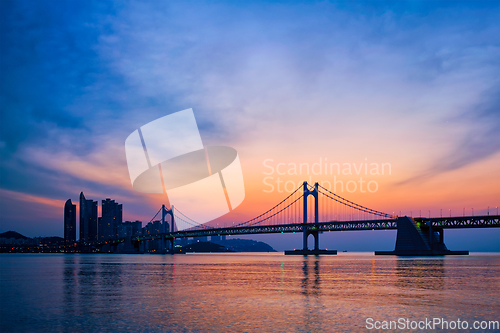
488,221
385,224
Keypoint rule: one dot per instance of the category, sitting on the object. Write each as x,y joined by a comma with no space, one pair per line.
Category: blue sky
413,82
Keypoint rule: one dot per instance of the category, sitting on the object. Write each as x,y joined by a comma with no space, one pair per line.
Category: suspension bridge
311,210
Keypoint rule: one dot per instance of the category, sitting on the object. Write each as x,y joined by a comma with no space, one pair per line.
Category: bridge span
300,212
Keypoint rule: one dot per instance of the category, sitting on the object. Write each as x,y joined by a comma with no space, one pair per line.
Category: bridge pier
310,229
419,239
171,247
306,233
168,243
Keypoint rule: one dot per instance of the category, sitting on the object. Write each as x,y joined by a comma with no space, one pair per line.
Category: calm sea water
241,292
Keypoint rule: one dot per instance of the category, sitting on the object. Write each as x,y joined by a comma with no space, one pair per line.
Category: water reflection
91,285
69,282
311,290
311,285
87,285
420,281
420,273
243,293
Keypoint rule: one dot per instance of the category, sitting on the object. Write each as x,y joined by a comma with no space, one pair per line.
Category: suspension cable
155,215
353,204
255,218
276,212
178,211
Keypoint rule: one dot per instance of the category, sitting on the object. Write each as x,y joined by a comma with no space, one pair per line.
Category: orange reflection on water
247,292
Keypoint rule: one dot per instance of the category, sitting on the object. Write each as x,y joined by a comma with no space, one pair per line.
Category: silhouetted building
100,228
130,229
111,219
153,228
69,222
88,219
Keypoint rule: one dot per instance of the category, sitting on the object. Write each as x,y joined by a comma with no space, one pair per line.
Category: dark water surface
241,292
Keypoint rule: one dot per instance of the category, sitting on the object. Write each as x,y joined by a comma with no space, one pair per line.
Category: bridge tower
171,240
310,228
305,231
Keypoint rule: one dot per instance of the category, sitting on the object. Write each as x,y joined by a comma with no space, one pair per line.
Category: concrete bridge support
419,239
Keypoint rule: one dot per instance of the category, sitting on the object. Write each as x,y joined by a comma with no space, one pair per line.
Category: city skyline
412,86
333,212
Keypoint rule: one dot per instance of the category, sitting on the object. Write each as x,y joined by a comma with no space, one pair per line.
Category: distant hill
246,245
12,234
54,240
204,247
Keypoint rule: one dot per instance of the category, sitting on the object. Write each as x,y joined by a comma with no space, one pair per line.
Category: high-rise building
153,228
69,222
130,229
136,228
88,219
100,228
111,220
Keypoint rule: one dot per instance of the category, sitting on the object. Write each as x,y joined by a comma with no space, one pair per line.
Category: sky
413,84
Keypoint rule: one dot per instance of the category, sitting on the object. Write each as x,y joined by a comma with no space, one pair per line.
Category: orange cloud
32,198
102,167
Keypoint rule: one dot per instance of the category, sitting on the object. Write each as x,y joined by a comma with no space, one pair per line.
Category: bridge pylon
171,240
310,228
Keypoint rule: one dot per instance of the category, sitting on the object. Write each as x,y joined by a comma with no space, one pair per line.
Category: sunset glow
401,103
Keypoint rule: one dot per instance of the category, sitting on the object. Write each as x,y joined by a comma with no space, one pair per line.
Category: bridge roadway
487,221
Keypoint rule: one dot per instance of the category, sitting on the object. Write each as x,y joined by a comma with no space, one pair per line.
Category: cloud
105,166
32,198
483,140
480,141
254,78
281,78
